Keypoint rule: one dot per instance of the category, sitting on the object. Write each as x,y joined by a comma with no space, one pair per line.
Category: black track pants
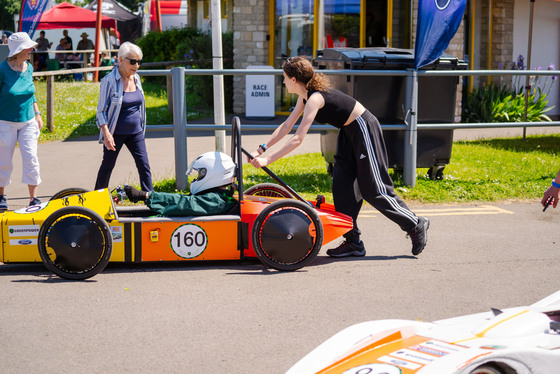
360,173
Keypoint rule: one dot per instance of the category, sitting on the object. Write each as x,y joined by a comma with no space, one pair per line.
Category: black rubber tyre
68,192
486,369
75,243
287,235
268,190
435,173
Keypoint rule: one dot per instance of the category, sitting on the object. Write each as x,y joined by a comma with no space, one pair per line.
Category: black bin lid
385,59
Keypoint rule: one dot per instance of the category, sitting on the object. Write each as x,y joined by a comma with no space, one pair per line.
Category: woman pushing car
360,170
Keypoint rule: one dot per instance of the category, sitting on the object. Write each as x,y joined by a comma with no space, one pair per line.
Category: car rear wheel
68,192
287,235
268,190
75,243
486,369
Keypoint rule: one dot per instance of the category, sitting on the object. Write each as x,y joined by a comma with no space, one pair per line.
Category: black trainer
3,202
348,249
419,235
133,194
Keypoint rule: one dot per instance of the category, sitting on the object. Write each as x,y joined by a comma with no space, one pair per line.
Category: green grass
479,171
75,106
491,170
306,174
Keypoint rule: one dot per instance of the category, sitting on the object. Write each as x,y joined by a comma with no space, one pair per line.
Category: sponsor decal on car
23,230
410,355
423,348
23,241
116,231
400,363
445,347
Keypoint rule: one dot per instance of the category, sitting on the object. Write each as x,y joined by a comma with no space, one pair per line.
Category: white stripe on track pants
361,173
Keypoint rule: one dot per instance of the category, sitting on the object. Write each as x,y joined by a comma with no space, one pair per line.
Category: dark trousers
361,173
136,144
42,61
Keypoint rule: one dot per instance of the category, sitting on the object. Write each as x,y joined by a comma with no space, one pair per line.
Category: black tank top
337,109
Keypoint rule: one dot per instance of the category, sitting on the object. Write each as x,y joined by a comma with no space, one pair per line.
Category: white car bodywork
522,340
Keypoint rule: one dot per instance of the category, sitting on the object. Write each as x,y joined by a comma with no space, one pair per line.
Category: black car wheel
486,369
287,235
75,243
68,192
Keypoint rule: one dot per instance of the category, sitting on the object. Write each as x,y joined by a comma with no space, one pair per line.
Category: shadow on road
40,274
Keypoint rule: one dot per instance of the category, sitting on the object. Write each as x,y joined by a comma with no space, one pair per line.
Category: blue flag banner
438,21
31,12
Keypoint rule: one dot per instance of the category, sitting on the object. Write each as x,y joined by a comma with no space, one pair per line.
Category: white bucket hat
19,41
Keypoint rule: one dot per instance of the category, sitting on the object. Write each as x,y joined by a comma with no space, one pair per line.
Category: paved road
230,317
243,318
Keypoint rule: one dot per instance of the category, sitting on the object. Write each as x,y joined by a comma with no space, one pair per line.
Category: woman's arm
38,115
108,139
138,82
103,103
314,103
282,129
287,125
552,192
102,114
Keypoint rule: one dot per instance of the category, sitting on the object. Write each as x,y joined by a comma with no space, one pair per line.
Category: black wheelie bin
385,96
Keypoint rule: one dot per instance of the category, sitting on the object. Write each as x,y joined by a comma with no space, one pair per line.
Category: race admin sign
259,91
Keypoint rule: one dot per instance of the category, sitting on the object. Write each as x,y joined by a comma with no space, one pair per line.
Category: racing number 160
189,241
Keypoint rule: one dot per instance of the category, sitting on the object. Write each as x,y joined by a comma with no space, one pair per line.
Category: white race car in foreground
517,340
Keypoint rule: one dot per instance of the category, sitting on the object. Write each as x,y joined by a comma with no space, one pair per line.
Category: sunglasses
134,61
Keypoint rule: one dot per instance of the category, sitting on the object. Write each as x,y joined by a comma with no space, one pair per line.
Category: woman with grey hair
20,118
121,117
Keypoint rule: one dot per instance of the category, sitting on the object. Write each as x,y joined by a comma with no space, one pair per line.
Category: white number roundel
189,241
374,369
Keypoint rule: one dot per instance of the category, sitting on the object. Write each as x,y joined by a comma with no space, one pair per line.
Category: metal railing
180,126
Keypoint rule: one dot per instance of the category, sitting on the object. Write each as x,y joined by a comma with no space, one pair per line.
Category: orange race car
76,233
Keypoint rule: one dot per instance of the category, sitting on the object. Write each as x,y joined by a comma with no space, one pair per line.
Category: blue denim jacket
110,101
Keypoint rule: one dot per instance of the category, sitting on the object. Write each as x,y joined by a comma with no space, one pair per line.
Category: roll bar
236,153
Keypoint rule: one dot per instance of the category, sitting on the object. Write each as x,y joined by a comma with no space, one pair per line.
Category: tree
78,3
9,8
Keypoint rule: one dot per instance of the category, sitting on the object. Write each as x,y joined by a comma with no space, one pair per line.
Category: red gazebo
68,16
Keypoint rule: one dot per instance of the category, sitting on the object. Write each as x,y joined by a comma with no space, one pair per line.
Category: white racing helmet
213,169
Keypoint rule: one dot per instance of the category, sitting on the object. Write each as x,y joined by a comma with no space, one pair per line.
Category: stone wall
502,36
250,44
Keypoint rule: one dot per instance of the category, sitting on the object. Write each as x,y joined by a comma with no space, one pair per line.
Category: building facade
492,35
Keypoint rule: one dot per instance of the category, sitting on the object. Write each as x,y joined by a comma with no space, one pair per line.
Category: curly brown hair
302,69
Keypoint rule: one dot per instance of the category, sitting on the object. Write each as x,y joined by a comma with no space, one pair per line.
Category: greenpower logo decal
23,230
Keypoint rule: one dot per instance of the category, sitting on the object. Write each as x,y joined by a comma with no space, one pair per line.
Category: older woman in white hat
20,118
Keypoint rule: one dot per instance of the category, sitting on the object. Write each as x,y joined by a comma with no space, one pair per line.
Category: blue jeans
136,144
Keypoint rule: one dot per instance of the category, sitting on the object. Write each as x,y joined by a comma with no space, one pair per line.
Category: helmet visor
197,174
